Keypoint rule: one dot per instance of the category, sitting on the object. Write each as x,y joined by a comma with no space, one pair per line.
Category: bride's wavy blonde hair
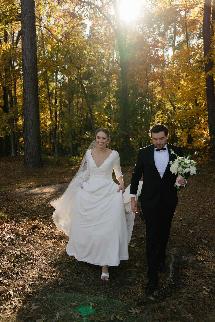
104,130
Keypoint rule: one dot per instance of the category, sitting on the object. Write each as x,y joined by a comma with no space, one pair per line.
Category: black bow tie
162,149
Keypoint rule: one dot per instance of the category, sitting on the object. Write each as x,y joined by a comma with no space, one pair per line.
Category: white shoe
105,276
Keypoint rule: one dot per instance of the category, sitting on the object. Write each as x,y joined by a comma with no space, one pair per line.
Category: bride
91,211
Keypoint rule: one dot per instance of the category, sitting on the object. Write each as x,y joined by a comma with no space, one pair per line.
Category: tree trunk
124,115
49,94
14,134
89,106
186,29
5,146
55,127
5,141
30,85
208,34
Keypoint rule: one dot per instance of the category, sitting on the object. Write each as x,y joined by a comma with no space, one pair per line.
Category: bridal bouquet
182,166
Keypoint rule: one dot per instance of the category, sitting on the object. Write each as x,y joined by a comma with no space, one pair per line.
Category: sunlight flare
130,10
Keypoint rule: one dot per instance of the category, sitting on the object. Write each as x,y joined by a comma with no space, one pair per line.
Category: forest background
68,67
96,68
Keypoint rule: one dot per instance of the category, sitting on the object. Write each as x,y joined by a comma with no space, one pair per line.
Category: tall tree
8,60
124,106
5,142
208,34
30,85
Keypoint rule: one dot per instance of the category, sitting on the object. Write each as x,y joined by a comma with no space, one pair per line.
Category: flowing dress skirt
94,219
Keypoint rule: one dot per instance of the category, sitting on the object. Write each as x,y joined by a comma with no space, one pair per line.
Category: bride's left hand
121,188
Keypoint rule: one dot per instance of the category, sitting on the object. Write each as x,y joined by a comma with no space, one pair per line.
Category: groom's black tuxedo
155,189
158,202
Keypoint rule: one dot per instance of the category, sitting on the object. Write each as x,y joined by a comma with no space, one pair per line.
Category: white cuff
132,195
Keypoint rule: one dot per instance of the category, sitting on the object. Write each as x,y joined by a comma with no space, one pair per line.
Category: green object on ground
85,310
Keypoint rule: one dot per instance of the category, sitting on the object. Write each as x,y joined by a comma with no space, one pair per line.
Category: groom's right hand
134,207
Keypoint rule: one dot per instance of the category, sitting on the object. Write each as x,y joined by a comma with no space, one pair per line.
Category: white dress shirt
161,159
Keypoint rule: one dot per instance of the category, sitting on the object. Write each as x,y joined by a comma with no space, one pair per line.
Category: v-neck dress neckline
102,161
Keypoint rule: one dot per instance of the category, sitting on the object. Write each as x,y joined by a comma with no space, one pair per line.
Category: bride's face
102,139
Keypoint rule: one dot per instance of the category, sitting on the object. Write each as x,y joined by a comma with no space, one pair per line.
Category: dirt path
39,282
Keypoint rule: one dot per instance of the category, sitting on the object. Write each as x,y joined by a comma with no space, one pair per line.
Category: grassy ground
39,282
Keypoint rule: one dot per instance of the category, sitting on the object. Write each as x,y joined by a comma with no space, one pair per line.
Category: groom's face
159,139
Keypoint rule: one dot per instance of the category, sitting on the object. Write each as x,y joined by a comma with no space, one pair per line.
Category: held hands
121,188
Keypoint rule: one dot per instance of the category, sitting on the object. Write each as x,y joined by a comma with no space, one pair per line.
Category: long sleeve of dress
116,166
137,174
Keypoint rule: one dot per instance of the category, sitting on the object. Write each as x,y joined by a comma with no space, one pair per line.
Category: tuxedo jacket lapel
171,155
171,158
152,160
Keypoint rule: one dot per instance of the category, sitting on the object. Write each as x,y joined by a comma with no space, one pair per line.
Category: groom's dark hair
159,128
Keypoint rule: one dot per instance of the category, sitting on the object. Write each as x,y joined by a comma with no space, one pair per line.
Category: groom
158,199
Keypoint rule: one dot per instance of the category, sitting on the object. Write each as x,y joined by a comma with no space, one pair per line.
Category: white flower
192,170
174,168
182,165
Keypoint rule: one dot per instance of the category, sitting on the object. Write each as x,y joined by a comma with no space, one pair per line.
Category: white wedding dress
94,215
